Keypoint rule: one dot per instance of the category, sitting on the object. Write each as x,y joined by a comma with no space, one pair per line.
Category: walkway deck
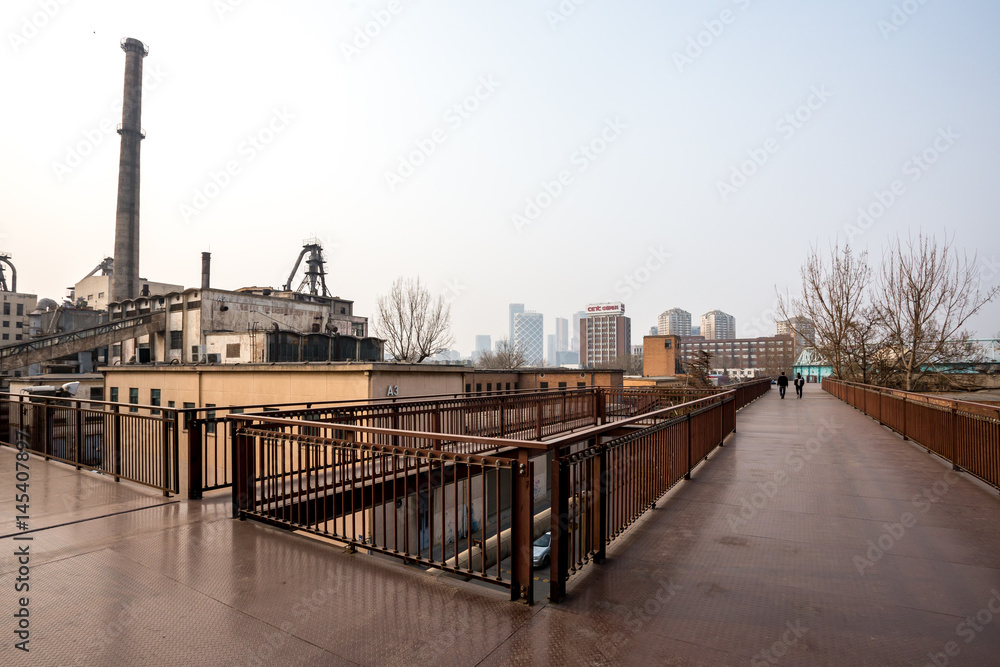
814,535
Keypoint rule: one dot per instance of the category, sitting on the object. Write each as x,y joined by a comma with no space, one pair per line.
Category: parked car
541,550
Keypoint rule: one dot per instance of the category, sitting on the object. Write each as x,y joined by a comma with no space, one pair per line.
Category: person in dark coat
782,384
799,383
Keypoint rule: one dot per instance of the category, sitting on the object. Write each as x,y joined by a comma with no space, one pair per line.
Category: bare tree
414,325
506,356
833,294
699,368
925,294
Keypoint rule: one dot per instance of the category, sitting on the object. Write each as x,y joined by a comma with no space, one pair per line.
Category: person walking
799,383
782,384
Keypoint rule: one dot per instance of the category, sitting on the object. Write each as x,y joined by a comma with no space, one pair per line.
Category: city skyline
649,180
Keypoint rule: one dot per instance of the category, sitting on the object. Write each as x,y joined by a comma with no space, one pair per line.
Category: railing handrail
968,406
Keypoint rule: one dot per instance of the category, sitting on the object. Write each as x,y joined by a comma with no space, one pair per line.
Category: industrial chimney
125,279
206,269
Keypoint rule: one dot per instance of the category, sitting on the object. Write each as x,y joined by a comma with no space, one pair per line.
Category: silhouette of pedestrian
782,384
799,383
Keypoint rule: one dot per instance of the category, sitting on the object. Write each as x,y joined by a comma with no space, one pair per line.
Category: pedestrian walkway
814,537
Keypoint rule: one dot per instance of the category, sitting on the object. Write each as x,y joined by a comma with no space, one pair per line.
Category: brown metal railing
964,433
464,503
138,443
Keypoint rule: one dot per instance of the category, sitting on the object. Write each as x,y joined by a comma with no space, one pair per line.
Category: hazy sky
666,154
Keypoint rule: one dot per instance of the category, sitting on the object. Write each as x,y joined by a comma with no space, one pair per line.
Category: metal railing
465,503
964,433
138,443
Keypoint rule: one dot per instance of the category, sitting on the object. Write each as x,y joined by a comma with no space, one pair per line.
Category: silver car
541,550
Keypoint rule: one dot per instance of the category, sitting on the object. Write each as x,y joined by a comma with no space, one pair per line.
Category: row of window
489,387
19,310
6,336
97,394
19,324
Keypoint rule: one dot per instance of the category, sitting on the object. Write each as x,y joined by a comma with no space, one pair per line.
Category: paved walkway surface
814,537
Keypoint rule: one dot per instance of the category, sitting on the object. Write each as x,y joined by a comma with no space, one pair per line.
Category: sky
552,153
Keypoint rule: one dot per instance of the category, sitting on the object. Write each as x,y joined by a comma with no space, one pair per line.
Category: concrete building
717,325
48,319
605,335
253,325
14,323
574,344
529,333
674,322
562,334
483,344
95,290
551,352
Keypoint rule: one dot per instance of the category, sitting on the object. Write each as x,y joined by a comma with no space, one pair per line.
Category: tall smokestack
206,269
125,279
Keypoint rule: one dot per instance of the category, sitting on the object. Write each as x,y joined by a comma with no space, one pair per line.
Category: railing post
117,451
953,437
687,475
47,428
903,432
165,442
244,493
522,588
560,522
602,510
601,399
79,435
195,464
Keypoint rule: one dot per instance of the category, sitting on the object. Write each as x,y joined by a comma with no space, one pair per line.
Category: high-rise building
803,329
562,334
574,344
483,344
512,310
551,354
674,322
605,335
717,325
529,335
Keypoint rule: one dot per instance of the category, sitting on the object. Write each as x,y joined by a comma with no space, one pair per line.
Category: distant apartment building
14,326
605,335
802,328
529,335
717,325
769,353
674,322
562,334
551,355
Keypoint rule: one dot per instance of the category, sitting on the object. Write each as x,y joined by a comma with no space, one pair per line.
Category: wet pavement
814,537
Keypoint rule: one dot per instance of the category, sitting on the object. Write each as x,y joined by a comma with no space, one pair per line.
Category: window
543,385
133,398
20,309
100,295
232,350
20,325
489,386
343,311
562,385
154,399
194,352
116,350
97,393
6,309
187,417
6,323
210,416
581,384
176,341
468,388
114,394
90,297
508,386
17,336
6,336
479,387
